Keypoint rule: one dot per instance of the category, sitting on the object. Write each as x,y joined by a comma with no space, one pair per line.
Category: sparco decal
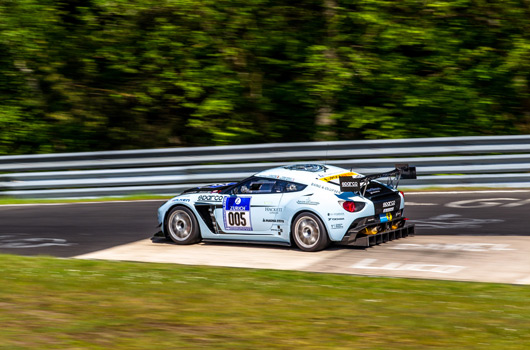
211,198
389,204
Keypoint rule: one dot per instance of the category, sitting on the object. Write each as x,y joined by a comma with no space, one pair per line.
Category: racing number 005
236,213
236,218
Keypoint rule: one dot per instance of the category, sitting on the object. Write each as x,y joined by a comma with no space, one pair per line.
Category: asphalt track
468,236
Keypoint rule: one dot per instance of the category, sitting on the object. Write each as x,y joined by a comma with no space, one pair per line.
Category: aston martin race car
308,205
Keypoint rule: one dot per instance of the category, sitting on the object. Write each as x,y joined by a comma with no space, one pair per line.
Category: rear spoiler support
359,184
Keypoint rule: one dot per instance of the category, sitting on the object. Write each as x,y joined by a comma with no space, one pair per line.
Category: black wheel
309,233
181,226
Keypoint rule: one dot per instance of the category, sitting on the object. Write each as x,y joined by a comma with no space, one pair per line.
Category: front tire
181,226
309,233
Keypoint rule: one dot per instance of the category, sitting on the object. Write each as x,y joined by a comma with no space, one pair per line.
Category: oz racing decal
236,213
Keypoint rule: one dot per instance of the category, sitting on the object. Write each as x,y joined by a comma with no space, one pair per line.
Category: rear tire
309,233
181,226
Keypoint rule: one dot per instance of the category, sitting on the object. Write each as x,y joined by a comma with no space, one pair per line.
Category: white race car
310,205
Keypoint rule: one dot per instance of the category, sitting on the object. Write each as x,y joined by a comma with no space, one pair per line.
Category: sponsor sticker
389,204
274,220
307,202
334,177
385,217
373,190
210,198
181,200
350,184
323,187
236,213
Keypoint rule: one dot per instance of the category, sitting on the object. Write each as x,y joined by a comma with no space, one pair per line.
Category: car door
250,208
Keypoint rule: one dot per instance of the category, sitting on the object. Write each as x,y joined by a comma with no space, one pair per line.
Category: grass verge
49,303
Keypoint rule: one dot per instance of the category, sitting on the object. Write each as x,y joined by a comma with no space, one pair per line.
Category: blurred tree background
85,75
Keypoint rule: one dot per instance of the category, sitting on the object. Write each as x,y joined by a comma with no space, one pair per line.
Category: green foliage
85,75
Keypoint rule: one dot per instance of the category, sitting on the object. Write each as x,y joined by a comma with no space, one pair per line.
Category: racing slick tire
181,226
309,233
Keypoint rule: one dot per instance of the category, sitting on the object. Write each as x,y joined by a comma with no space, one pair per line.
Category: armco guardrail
496,161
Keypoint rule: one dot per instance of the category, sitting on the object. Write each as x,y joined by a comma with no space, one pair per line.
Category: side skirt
285,244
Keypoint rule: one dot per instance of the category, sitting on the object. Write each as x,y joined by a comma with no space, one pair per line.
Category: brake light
402,194
349,206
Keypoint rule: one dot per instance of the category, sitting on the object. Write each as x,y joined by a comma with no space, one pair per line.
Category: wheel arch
193,236
300,211
170,208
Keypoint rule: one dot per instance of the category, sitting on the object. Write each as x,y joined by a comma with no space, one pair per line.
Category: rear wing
359,184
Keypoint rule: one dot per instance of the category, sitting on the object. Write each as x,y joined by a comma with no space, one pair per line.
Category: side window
255,186
287,186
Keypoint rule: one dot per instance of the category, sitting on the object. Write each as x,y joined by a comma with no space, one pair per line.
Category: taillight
349,206
402,194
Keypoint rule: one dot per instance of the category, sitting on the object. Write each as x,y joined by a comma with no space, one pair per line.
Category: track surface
476,236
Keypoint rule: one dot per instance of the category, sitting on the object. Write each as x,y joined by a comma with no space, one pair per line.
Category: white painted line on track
370,264
525,280
419,204
465,247
464,192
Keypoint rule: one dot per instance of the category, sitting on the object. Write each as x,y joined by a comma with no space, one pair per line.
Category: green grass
48,303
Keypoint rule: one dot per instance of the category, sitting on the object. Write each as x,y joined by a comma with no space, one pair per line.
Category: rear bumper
363,240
